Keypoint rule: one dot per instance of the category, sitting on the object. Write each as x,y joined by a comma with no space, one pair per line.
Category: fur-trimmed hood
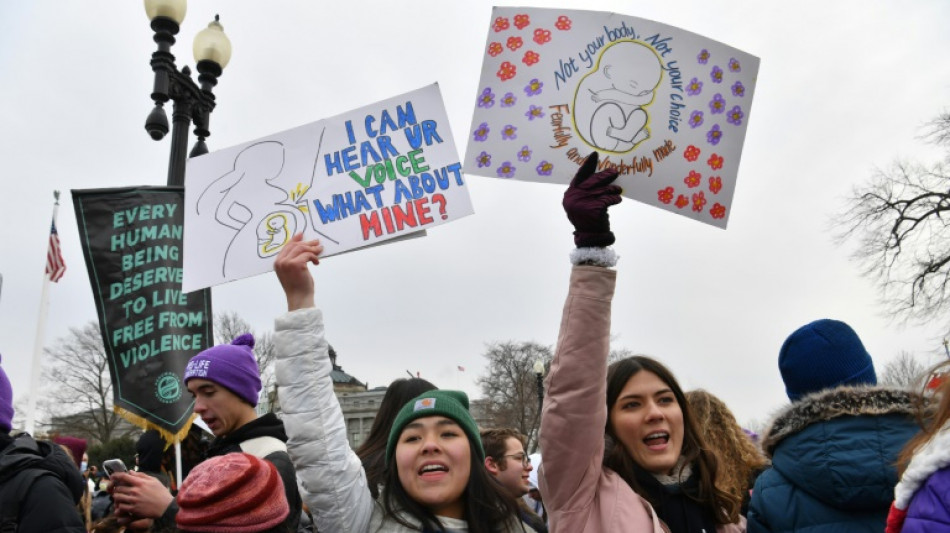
836,403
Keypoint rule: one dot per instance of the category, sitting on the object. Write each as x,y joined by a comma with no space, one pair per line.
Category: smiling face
434,462
510,470
648,422
219,408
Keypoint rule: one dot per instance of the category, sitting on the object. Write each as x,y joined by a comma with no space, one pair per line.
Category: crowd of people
624,447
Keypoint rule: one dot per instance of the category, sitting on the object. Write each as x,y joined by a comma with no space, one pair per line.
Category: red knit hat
232,493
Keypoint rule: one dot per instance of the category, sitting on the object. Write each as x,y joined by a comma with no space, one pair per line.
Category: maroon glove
586,202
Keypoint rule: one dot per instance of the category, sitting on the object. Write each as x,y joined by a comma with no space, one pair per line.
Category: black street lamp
539,375
192,103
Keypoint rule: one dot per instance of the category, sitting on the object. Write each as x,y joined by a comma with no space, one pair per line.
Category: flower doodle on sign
738,89
506,170
486,99
495,48
530,57
534,112
484,159
699,201
514,43
691,153
544,168
508,100
563,23
522,21
717,105
735,116
506,71
715,184
715,161
716,75
718,210
681,201
665,195
501,24
509,132
481,133
694,87
734,65
703,56
524,154
695,119
533,88
693,179
714,135
542,36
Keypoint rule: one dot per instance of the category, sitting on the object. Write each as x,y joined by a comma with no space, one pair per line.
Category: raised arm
575,412
333,483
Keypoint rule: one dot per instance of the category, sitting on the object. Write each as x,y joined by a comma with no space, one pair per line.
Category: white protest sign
667,108
377,173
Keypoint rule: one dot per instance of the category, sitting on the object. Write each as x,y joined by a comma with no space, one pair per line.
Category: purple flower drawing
534,112
703,56
544,168
695,119
482,132
695,87
533,88
487,98
734,65
738,89
506,170
508,132
714,135
716,75
717,105
735,116
508,100
484,159
524,154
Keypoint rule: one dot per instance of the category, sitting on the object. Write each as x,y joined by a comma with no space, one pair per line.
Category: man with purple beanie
39,483
225,383
833,450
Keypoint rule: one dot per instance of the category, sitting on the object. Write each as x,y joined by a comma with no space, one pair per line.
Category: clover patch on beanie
822,355
451,404
232,366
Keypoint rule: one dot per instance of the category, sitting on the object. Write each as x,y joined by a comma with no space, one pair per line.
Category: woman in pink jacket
653,473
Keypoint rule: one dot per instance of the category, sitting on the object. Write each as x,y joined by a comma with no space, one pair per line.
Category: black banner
132,242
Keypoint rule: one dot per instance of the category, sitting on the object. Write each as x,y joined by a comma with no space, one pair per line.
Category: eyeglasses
523,458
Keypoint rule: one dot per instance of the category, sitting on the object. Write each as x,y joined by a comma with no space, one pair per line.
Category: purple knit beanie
6,402
230,365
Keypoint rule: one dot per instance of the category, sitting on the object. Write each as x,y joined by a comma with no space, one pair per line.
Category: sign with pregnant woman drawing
380,172
667,108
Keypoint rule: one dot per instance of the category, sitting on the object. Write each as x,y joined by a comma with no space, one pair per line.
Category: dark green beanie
448,403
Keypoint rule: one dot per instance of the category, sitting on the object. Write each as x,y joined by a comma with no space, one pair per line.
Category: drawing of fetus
239,198
610,102
273,234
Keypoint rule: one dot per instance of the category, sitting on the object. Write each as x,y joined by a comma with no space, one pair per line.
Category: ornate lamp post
192,103
539,375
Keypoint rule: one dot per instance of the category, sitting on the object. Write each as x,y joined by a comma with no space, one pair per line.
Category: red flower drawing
715,184
681,201
506,71
494,49
542,35
521,21
691,153
699,201
693,179
563,23
514,43
665,195
530,57
501,23
715,161
718,210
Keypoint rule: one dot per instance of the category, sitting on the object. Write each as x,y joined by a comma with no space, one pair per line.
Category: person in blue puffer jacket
922,498
834,449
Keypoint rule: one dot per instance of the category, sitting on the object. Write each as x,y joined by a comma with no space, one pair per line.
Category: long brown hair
930,421
739,458
724,507
372,452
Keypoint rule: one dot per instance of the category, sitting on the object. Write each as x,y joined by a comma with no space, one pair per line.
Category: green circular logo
168,388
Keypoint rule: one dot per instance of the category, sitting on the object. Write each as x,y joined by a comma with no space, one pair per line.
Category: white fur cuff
604,257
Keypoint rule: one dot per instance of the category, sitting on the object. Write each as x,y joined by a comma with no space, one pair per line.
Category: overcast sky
844,87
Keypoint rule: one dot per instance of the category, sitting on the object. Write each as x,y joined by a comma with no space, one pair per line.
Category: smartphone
114,465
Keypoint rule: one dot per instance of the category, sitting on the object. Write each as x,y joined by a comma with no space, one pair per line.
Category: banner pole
40,335
178,462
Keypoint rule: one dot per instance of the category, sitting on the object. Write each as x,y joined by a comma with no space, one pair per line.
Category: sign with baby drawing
667,108
384,171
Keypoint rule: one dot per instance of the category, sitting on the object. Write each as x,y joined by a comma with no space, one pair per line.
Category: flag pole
40,334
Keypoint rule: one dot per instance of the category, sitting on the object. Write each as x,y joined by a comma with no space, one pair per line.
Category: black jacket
266,426
49,505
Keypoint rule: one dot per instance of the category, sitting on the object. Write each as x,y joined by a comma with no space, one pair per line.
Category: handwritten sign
667,108
377,173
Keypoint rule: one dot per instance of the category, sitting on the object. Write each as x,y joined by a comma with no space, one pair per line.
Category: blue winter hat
822,355
232,366
6,402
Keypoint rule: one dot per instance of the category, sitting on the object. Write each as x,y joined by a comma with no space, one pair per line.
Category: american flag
55,266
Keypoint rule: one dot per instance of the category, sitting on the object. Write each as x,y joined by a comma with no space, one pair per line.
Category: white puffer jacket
332,480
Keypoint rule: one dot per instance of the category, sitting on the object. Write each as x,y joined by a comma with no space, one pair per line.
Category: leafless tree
511,388
229,325
80,388
904,372
900,223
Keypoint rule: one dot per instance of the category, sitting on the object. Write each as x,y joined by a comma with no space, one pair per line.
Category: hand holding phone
114,465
